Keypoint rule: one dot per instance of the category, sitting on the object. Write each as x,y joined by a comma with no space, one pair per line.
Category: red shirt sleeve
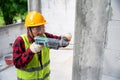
21,57
52,36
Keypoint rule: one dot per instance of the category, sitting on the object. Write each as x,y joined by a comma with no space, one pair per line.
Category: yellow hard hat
34,18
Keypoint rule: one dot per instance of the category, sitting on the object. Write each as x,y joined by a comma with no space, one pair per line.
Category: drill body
50,42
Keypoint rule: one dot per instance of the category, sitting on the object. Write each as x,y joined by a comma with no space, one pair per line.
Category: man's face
38,30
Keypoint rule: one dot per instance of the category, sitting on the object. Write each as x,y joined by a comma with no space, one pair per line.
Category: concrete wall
7,35
90,37
60,15
111,56
111,63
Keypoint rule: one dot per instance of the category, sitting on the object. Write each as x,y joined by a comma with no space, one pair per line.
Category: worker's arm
67,36
21,57
52,36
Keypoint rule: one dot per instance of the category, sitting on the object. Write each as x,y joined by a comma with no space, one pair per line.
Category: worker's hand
67,37
63,43
35,48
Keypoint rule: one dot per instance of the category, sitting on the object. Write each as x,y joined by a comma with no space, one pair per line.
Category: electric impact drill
51,43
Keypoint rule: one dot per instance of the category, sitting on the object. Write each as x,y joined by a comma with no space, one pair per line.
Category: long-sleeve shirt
22,57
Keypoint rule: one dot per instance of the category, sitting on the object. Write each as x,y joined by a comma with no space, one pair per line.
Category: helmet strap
30,30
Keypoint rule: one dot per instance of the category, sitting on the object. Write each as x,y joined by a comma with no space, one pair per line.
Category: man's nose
40,33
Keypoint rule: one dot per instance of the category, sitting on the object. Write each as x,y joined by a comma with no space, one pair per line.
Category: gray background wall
60,15
111,63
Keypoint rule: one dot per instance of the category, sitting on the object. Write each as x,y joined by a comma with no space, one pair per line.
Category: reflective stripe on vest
33,70
44,78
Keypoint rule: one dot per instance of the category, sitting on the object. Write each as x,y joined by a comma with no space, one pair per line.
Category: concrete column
90,37
34,5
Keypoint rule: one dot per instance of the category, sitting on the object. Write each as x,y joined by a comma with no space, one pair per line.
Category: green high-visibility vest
34,70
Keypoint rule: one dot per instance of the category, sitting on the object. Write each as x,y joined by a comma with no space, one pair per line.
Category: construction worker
32,61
